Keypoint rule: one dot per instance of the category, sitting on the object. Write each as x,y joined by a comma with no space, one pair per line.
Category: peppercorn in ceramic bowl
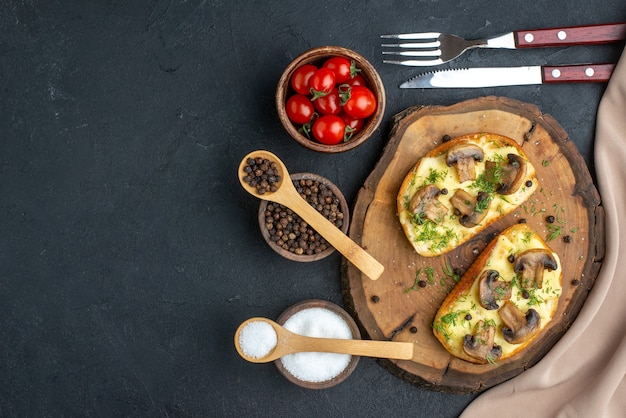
303,101
287,234
321,319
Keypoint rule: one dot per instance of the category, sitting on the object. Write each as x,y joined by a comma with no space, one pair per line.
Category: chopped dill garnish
534,211
534,299
428,232
526,238
450,319
415,283
489,323
449,271
482,205
555,231
430,274
491,360
444,322
419,283
418,218
435,175
483,183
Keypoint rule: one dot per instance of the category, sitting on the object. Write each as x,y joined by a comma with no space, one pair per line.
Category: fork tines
418,35
427,47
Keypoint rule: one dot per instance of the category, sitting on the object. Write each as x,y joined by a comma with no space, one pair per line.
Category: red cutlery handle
577,73
573,35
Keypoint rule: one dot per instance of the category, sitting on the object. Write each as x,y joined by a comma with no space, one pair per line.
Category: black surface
129,253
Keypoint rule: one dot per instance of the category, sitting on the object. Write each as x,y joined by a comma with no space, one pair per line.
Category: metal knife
510,76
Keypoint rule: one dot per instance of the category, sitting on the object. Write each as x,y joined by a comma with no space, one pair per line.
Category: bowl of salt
320,319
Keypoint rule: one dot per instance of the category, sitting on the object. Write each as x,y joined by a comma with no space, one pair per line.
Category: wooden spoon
290,343
287,195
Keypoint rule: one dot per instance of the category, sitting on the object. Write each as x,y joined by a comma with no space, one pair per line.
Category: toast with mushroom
461,187
503,301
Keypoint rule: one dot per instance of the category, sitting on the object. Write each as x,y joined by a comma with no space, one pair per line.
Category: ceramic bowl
304,257
317,56
354,360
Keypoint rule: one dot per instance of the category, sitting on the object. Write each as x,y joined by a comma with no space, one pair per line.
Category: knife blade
510,76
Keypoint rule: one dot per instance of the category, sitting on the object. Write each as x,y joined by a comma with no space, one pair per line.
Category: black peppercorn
446,138
261,174
522,221
550,219
422,283
413,330
292,233
511,258
525,294
468,317
375,299
529,183
567,239
575,282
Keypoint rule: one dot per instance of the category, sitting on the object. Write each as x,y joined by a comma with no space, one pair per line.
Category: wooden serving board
388,309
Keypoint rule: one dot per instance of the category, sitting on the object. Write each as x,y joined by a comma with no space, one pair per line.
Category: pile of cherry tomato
330,102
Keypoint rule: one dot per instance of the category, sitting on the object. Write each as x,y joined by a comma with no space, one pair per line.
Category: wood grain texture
573,35
392,308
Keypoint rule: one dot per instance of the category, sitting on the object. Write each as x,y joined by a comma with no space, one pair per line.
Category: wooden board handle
573,35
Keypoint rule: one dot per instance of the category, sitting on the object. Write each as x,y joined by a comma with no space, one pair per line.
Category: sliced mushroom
463,202
491,290
531,263
518,327
465,156
471,209
480,345
425,204
510,176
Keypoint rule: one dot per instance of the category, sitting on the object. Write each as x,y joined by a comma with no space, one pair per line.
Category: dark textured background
129,253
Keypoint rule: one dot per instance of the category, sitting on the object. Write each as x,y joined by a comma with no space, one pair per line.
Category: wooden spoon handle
342,243
367,348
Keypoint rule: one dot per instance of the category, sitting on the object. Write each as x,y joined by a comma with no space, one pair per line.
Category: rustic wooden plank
385,310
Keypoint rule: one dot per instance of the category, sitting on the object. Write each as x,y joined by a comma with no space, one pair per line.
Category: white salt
257,339
319,323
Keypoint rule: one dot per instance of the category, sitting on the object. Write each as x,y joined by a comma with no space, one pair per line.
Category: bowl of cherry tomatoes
330,99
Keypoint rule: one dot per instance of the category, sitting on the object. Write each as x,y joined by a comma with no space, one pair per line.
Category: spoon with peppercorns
262,174
258,343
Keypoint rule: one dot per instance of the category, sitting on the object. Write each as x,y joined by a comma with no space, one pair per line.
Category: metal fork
434,48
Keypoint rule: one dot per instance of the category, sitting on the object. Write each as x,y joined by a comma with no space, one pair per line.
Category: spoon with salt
283,342
287,195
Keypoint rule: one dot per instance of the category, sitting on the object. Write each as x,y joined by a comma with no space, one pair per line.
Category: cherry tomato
357,80
329,104
343,68
354,124
299,109
300,78
329,129
361,104
322,82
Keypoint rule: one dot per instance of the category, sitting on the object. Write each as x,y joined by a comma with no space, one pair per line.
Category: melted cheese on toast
432,238
461,312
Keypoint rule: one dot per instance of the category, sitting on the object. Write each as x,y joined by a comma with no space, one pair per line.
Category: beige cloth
584,375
